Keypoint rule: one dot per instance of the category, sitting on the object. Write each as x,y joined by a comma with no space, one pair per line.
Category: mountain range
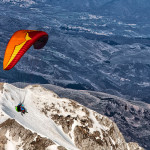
98,49
87,49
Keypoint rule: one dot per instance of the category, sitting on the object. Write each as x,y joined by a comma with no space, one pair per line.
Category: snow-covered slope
55,121
34,119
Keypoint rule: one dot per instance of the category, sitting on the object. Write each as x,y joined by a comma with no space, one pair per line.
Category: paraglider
17,46
21,108
19,43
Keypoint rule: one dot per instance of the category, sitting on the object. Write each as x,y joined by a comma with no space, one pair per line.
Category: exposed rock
1,86
134,146
132,117
65,122
28,140
80,126
61,148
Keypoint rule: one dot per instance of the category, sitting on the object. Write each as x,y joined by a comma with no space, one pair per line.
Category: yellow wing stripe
17,49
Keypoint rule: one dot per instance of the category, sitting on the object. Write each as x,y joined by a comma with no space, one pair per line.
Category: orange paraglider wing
19,43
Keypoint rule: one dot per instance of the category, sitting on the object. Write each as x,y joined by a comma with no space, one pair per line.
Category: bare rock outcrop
88,129
25,139
80,126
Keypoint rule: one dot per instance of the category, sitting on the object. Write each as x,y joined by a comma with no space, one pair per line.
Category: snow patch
95,17
12,145
52,147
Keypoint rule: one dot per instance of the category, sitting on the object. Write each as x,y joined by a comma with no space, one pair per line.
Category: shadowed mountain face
96,45
131,10
103,4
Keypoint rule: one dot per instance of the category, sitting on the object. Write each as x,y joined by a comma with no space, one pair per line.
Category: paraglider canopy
20,42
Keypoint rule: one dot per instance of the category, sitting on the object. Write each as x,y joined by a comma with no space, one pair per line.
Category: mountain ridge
88,129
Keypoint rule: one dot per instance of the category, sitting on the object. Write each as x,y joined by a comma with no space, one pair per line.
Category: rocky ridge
86,128
132,117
